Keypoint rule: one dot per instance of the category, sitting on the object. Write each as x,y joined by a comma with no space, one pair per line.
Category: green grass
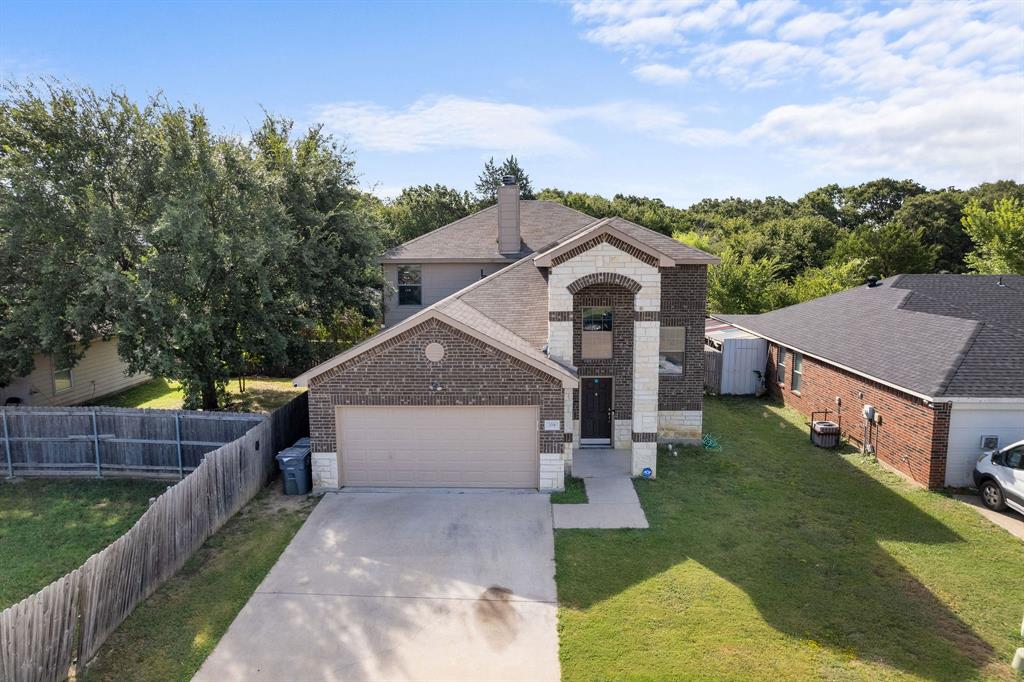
50,527
261,394
170,634
574,493
775,560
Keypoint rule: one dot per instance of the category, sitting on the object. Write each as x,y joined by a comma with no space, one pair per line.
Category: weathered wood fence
110,441
65,623
712,370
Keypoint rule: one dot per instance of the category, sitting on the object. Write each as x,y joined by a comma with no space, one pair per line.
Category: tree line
207,254
777,252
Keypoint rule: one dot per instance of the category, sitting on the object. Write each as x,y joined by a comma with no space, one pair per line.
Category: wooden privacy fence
109,441
66,622
712,370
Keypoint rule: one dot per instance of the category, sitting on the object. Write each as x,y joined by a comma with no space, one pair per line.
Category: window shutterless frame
596,337
671,350
410,285
798,372
780,367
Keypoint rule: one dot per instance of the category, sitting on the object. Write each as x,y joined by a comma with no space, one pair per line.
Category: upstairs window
597,333
780,366
63,379
671,350
410,285
798,368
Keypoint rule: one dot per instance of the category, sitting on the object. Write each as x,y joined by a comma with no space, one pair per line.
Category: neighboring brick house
514,337
940,358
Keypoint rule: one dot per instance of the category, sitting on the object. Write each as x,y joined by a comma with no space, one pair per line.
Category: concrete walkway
611,498
413,585
1009,520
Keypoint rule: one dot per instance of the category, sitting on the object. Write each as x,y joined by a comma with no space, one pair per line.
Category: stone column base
645,455
552,472
325,470
680,426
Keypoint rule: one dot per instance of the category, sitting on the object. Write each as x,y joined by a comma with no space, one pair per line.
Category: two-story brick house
514,337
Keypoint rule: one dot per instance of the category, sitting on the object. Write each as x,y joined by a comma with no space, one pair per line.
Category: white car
999,475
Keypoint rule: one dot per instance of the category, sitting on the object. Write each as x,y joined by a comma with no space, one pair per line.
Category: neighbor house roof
931,335
475,237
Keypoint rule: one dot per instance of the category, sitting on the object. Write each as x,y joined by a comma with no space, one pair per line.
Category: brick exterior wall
620,365
397,372
684,303
912,438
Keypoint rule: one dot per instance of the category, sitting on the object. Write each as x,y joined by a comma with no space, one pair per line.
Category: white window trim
780,361
796,381
399,285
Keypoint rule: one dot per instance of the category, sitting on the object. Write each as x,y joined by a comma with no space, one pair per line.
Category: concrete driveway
404,586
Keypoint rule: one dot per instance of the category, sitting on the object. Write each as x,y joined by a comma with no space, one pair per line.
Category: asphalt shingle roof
936,335
541,224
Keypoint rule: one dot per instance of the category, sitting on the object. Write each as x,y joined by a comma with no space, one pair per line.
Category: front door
596,411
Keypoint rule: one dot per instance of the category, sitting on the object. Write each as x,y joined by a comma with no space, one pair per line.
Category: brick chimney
509,238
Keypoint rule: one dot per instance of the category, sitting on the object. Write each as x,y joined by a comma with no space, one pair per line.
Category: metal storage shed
734,360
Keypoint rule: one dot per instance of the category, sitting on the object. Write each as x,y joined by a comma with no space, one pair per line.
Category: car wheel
992,496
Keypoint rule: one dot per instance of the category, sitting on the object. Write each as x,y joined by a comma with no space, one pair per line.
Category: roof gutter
385,261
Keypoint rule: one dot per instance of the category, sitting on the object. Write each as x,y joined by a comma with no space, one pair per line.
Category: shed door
450,446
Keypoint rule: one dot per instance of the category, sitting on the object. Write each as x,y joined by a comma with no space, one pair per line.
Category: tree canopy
493,176
199,251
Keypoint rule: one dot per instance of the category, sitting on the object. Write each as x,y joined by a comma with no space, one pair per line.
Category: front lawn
773,559
261,394
50,527
170,634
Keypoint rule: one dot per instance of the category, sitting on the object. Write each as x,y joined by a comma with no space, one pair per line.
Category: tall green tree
875,203
741,284
76,180
937,216
998,237
199,252
493,175
888,250
422,209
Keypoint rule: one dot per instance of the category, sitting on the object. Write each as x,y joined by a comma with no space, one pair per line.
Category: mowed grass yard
261,394
773,559
170,634
50,527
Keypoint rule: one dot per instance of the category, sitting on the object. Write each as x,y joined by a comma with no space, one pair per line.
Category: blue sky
680,100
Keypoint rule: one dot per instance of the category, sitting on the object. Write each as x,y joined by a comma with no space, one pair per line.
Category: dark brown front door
595,408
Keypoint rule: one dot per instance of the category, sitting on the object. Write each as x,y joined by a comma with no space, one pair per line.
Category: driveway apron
417,585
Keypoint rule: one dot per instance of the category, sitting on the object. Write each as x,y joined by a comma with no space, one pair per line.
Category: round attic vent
434,352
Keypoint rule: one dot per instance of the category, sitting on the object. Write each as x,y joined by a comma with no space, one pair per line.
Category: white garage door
968,422
450,446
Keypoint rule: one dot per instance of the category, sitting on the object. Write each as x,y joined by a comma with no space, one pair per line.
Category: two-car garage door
449,446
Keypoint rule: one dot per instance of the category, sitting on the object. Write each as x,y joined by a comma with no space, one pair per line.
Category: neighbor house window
63,380
780,366
410,285
597,333
670,350
798,367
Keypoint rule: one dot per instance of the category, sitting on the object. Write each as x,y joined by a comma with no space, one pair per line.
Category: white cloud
465,123
923,132
662,74
449,122
931,89
814,25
